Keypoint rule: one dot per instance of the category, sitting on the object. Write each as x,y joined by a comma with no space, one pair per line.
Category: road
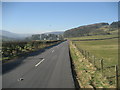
49,69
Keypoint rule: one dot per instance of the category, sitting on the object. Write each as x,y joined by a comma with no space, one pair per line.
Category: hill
92,29
13,35
10,36
3,38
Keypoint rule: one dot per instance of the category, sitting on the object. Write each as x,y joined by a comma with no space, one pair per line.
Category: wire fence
110,72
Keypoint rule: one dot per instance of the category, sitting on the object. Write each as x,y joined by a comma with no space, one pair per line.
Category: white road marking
39,62
53,51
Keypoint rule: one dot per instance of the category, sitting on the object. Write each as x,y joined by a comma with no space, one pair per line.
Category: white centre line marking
52,51
39,62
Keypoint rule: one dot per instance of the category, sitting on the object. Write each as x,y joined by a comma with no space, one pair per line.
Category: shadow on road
12,64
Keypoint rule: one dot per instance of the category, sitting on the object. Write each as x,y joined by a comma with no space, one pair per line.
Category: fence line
99,64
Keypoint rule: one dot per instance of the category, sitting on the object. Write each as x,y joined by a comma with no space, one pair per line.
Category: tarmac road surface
49,69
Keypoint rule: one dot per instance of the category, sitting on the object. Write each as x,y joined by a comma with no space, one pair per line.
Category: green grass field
87,74
94,37
106,49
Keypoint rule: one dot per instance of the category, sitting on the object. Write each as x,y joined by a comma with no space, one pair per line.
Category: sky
40,17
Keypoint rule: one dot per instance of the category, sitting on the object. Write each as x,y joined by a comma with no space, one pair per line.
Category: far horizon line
31,33
63,30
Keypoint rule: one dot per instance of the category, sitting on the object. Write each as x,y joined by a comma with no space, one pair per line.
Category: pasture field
106,49
94,37
87,75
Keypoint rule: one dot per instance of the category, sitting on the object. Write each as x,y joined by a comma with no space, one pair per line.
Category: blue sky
38,17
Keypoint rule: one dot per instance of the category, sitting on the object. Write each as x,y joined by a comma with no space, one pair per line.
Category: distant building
46,37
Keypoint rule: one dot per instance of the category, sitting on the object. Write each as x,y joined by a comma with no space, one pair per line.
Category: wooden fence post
75,44
85,54
116,76
101,64
88,55
94,60
82,52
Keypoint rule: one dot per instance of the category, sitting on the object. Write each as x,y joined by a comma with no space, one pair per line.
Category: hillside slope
92,29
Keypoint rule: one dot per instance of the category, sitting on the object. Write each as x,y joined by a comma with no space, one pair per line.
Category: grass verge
87,75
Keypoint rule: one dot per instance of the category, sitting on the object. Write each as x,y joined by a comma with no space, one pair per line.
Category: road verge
86,74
